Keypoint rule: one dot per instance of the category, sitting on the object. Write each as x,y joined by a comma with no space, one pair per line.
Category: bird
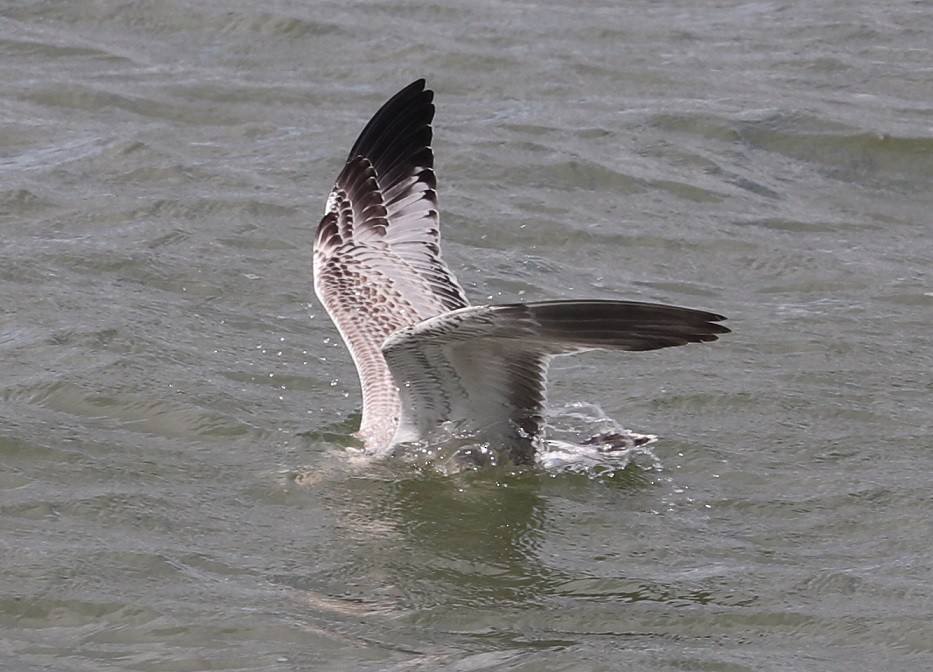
428,359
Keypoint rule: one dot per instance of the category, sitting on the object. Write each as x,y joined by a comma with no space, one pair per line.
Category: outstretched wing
485,367
377,263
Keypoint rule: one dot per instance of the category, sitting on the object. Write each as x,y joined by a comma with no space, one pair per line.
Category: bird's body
424,356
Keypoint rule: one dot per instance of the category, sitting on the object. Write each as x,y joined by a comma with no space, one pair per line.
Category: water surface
175,488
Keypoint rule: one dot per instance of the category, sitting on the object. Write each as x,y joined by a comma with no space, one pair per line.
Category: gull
427,359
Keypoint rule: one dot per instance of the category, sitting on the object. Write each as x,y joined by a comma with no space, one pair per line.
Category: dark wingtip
718,328
713,319
628,325
411,101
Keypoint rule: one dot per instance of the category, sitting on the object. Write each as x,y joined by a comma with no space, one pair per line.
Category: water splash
578,438
605,448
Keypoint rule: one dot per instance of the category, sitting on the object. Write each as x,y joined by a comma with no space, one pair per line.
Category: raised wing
485,367
377,264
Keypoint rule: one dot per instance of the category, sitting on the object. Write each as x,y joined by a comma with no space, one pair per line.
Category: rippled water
176,491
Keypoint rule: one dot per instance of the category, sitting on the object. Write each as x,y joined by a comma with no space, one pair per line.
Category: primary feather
424,356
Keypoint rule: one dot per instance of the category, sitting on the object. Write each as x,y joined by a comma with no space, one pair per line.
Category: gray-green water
174,494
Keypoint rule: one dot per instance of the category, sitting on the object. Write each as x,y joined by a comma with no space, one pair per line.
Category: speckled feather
377,264
423,355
